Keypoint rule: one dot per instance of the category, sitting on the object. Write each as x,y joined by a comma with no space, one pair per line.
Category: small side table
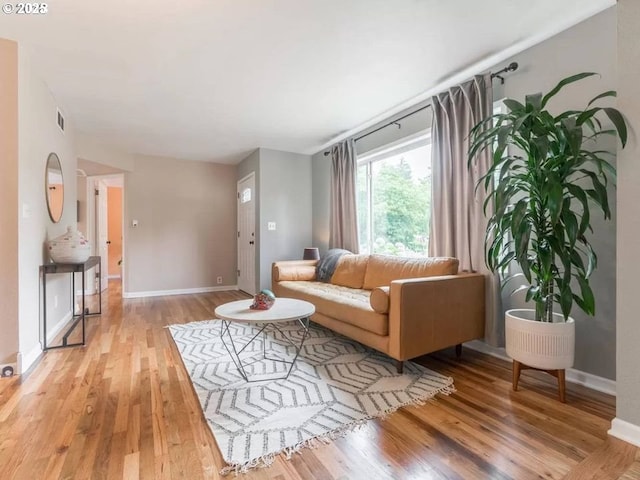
72,268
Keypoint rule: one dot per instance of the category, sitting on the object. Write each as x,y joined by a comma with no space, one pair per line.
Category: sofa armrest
293,270
429,314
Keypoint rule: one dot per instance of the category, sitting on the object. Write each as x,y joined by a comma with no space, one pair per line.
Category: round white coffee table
283,310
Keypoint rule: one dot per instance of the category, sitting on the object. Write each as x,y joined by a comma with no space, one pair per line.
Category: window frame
405,144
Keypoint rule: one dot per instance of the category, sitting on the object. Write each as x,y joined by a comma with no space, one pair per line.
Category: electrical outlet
55,301
271,225
219,280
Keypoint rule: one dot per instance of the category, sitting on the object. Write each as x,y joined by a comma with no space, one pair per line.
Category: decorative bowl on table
263,300
70,247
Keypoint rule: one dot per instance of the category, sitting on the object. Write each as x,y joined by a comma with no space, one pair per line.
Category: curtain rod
512,67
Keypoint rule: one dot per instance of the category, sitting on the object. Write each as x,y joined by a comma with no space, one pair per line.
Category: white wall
81,189
9,201
187,222
628,321
89,148
39,135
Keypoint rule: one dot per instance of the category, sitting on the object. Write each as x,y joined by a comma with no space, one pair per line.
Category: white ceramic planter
544,345
71,247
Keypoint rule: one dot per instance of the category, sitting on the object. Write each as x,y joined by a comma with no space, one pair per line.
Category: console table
72,268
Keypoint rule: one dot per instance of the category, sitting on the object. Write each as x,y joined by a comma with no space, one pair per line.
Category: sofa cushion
383,269
379,299
294,272
350,271
349,305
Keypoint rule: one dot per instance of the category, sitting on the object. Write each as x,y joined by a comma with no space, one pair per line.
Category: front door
246,235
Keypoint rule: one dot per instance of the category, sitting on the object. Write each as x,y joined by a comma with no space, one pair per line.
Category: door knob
108,242
251,242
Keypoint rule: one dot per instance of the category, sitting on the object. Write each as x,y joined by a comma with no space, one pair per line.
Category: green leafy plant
545,177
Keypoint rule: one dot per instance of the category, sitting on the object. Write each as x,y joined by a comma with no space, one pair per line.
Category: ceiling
213,80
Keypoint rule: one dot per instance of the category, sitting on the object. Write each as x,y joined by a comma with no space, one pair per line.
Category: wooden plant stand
559,374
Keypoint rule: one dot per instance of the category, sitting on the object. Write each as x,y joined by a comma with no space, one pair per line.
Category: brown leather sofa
403,307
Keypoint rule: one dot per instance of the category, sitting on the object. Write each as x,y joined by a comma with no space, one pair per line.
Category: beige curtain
458,224
343,217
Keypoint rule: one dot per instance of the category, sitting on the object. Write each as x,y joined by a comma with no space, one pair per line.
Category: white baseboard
579,377
26,361
625,431
61,323
183,291
113,277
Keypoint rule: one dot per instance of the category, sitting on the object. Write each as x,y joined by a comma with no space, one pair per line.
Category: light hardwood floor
123,407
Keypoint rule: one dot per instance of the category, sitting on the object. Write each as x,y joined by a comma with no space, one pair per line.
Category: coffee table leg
305,331
234,353
235,357
304,322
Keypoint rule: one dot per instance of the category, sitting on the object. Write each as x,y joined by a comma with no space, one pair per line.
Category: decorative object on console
263,300
542,217
311,253
70,247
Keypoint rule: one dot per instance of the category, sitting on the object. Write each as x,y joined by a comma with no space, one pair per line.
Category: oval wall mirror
54,187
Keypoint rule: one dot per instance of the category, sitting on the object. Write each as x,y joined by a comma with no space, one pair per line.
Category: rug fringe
328,437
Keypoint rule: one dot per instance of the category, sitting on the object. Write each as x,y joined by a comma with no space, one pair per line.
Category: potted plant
545,178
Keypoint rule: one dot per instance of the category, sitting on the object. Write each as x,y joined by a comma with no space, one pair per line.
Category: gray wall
187,222
251,164
589,46
541,67
283,189
320,177
628,381
285,198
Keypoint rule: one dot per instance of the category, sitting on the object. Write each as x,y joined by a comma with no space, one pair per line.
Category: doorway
105,217
246,234
114,231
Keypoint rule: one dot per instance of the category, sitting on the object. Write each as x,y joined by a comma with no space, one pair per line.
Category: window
394,197
246,195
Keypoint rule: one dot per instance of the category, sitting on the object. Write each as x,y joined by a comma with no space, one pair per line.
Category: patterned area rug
336,385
